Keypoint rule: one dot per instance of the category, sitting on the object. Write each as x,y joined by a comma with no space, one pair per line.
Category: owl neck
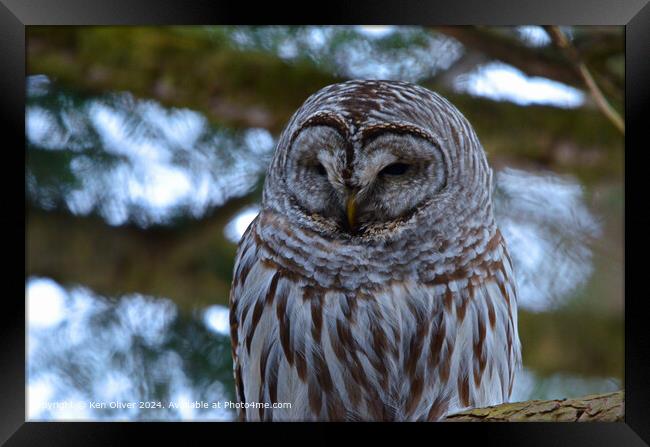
419,248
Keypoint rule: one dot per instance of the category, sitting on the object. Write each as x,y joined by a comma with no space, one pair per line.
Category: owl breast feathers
374,284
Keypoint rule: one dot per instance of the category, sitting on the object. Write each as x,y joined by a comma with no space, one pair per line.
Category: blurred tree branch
544,62
562,42
236,88
594,408
532,61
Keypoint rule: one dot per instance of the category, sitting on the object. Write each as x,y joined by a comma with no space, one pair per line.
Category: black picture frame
15,15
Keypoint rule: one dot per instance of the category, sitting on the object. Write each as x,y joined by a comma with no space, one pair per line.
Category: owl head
363,159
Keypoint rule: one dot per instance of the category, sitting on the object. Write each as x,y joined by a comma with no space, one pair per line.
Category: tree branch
594,408
231,87
532,61
563,43
544,62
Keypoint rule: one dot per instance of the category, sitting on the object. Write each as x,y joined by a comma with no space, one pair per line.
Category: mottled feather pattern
412,319
388,356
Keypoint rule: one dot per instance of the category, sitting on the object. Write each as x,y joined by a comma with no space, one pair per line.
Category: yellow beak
351,210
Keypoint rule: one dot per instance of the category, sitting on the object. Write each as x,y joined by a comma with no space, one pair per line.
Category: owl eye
394,169
320,169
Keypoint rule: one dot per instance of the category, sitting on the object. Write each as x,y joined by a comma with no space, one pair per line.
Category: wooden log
593,408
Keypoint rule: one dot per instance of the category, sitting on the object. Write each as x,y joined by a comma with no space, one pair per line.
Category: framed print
386,212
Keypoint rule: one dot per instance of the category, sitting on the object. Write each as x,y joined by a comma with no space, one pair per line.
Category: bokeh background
146,151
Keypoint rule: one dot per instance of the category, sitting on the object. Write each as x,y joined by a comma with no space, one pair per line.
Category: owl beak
351,210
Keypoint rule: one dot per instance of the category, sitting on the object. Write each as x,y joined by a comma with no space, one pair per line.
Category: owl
374,285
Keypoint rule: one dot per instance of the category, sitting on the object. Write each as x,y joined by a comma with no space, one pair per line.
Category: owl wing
474,344
495,307
240,303
266,369
487,341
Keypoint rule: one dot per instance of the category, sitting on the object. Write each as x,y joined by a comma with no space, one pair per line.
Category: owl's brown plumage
374,284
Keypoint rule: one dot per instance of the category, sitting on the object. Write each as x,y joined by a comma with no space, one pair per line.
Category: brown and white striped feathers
374,284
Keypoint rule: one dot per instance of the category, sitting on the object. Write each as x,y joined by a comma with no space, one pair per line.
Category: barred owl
374,284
